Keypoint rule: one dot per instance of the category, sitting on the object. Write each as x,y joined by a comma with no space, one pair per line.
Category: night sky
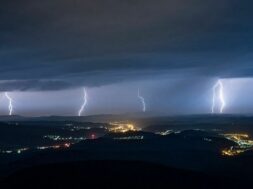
174,51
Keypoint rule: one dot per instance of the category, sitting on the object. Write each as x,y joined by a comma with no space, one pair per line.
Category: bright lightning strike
84,102
10,103
220,95
142,101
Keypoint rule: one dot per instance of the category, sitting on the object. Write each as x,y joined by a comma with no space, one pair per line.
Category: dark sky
174,50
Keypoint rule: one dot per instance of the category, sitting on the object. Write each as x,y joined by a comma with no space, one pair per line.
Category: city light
243,141
17,151
118,127
232,151
129,138
59,138
164,133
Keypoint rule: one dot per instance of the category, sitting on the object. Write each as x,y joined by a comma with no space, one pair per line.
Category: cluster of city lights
232,151
17,151
59,138
72,127
21,150
129,138
58,146
120,127
164,133
243,141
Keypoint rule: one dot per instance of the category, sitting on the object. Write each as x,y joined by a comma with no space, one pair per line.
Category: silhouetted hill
145,135
147,117
114,174
220,123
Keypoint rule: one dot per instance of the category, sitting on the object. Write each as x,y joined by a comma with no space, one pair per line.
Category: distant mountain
12,118
128,116
95,118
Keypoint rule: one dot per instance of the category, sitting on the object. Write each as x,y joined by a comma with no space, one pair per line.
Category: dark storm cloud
23,85
42,42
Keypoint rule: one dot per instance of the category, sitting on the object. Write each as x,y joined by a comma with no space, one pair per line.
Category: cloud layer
53,45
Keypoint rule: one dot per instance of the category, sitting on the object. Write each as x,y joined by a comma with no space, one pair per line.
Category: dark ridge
113,174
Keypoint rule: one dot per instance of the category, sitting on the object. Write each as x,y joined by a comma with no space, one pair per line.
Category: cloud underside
59,44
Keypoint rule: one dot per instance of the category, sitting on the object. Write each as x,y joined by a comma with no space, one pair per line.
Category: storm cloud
59,44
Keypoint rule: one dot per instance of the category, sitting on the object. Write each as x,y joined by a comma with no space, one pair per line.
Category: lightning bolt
10,103
220,87
142,101
84,102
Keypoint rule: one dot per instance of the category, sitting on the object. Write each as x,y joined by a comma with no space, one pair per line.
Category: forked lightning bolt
142,101
84,102
218,86
10,103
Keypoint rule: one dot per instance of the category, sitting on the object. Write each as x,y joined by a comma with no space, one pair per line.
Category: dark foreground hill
113,174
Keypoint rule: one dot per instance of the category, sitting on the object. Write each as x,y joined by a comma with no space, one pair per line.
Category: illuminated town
61,142
73,133
243,141
59,138
70,134
121,127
